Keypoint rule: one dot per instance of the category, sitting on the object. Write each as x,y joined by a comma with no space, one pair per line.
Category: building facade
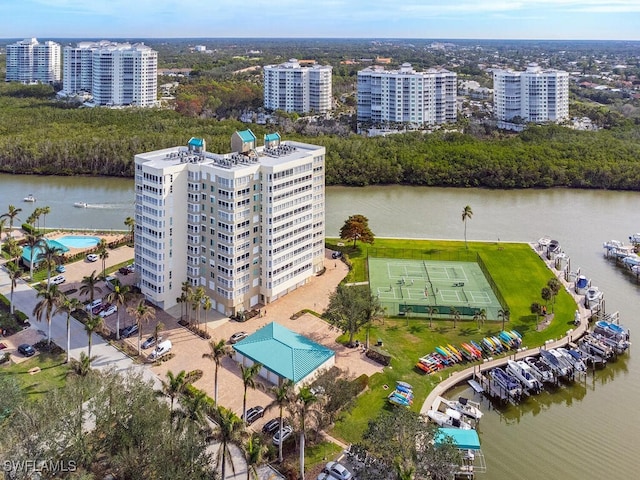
406,96
247,226
114,73
294,88
29,61
535,95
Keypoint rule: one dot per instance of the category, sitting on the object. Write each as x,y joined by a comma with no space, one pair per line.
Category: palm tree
81,367
14,250
33,241
254,451
46,210
51,255
12,215
195,408
15,273
103,254
455,315
248,375
218,351
504,315
174,385
206,306
483,316
229,431
3,222
283,394
119,297
89,286
432,311
197,297
467,213
187,296
130,222
46,306
68,305
91,325
304,399
141,313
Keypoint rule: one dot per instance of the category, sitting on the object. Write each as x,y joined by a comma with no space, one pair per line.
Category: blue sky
526,19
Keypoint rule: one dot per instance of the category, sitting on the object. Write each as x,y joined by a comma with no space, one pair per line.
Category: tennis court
431,287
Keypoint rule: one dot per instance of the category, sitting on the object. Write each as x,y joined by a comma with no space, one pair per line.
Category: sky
482,19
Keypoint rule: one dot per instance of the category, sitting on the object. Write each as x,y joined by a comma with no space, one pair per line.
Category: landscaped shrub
195,375
4,357
20,316
5,301
28,228
379,355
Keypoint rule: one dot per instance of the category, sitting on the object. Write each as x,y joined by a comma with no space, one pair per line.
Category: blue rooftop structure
196,142
284,352
272,137
247,135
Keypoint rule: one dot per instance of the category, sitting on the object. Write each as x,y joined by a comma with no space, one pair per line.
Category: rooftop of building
405,69
284,352
294,63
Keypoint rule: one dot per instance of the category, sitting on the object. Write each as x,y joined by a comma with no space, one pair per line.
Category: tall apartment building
248,226
535,95
294,88
29,61
406,96
114,73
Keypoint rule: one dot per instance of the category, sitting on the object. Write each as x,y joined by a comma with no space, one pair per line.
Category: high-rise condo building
247,226
114,73
535,95
406,96
29,61
295,88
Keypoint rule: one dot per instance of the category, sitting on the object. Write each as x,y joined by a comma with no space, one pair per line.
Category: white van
96,303
162,349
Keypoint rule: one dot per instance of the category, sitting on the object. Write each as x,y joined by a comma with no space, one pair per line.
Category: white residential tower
29,61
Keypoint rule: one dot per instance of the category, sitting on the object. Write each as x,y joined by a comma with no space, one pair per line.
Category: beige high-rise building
248,226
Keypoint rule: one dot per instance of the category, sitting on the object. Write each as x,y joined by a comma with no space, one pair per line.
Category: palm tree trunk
280,458
49,334
118,324
301,454
215,385
90,341
68,337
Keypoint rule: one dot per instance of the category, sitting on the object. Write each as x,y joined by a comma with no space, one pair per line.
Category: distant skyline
481,19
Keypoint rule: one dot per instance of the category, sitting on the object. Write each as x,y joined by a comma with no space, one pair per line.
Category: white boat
29,198
522,372
582,283
574,358
449,418
631,260
553,249
81,204
540,370
560,369
464,406
593,297
565,364
506,381
635,238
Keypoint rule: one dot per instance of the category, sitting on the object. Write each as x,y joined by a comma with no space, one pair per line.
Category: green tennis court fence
420,254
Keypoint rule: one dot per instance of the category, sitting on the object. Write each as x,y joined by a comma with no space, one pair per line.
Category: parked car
253,414
61,269
336,254
338,471
131,267
123,270
162,349
26,350
97,310
272,426
287,431
236,337
150,342
92,257
129,331
57,280
94,304
109,310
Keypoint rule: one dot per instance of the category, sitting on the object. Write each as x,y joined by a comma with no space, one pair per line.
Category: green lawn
520,275
52,375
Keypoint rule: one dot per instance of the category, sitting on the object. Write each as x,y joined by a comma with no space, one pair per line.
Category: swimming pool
78,241
26,251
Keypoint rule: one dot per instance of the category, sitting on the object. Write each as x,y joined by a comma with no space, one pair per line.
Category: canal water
588,431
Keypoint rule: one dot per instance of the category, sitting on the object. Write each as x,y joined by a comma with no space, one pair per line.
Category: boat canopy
463,439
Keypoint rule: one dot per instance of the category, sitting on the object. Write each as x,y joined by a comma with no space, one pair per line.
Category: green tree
141,313
174,385
206,306
119,296
15,274
304,401
504,315
47,304
51,256
248,375
283,397
554,288
46,210
82,366
455,315
467,214
3,222
33,242
89,286
229,432
254,452
103,253
355,228
218,350
68,305
11,215
432,311
350,308
546,294
92,324
131,223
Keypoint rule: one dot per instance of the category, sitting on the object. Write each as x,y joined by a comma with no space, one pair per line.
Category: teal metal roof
272,137
246,135
464,439
286,353
196,142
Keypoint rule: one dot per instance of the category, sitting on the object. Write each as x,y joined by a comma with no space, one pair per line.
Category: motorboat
634,238
594,346
464,406
29,198
611,329
582,284
81,204
508,382
564,362
553,249
631,260
522,372
574,358
618,345
553,362
544,242
449,418
540,370
593,297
